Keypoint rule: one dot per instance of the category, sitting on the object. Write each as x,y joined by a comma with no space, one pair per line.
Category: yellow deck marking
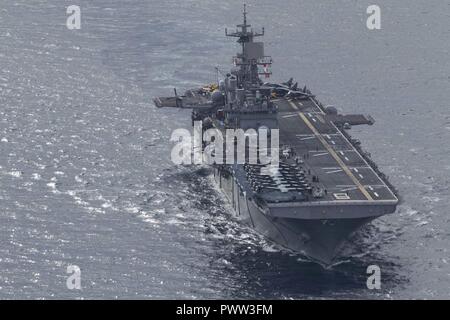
333,153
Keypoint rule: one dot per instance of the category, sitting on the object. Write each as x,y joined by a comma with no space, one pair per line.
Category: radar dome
217,98
331,110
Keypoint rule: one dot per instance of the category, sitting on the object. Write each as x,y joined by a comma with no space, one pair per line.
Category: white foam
148,217
36,176
132,209
422,223
107,205
52,185
431,199
270,248
174,221
15,173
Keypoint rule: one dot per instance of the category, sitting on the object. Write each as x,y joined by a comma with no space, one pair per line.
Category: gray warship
325,186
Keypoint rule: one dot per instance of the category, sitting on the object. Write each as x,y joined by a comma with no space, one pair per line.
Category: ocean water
85,171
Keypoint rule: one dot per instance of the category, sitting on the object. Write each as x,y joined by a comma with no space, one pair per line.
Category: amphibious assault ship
324,187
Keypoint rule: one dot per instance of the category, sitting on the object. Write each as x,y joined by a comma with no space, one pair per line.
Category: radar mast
251,60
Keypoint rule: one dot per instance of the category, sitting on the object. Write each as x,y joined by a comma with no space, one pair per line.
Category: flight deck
328,154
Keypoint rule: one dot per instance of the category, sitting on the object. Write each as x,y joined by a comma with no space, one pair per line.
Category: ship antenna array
252,54
245,15
242,32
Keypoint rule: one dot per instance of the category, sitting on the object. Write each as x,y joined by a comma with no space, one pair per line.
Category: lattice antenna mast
252,54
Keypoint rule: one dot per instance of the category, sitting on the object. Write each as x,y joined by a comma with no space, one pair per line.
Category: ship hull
319,239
